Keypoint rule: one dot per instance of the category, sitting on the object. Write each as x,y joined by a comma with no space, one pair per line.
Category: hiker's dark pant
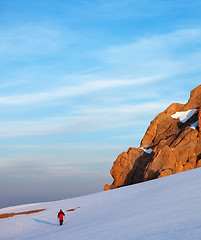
61,222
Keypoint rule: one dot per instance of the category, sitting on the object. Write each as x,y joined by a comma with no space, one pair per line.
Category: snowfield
166,208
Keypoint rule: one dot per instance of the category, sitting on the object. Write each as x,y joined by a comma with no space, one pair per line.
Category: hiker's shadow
45,222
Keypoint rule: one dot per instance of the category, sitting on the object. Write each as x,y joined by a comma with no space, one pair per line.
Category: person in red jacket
61,215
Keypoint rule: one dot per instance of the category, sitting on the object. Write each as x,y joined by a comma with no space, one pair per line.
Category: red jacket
61,215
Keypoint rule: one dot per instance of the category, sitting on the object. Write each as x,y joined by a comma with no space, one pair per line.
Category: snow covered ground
166,208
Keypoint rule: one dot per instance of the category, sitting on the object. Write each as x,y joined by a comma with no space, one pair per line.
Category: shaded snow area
161,209
147,150
194,125
184,116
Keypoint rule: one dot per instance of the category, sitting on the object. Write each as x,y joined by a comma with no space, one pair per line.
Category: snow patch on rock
146,149
184,116
194,125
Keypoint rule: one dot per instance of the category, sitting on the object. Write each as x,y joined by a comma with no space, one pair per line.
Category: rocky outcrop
171,144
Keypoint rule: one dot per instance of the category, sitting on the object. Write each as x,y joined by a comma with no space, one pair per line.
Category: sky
81,80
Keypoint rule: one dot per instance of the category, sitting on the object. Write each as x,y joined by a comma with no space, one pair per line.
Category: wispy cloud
31,40
43,169
11,84
154,58
72,91
167,54
123,9
148,60
60,147
83,120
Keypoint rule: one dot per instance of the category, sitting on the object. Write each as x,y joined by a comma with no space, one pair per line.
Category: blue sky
80,83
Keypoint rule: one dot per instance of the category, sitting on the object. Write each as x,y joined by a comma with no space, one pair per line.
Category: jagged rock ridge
171,144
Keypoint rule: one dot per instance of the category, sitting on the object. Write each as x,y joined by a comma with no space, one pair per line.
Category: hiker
61,215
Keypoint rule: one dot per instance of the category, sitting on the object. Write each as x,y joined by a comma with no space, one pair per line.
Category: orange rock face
171,144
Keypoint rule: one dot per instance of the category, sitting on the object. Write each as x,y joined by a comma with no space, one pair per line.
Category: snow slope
166,208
